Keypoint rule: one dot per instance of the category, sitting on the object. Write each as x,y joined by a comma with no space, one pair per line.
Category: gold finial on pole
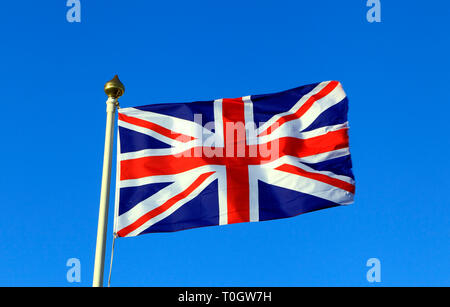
114,88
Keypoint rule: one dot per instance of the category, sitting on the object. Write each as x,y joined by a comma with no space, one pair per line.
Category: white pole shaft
104,195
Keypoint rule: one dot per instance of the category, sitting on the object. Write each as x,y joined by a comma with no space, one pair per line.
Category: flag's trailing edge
248,159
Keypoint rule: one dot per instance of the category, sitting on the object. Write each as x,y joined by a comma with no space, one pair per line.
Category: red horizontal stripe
316,176
170,164
157,128
316,145
155,212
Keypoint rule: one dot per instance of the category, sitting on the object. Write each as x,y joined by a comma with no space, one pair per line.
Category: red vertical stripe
238,194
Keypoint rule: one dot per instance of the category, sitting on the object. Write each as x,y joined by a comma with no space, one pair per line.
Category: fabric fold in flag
232,160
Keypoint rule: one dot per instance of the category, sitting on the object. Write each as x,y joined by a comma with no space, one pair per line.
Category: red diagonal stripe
172,201
316,176
157,128
303,109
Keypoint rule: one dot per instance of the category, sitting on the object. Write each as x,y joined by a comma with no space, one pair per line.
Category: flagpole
114,89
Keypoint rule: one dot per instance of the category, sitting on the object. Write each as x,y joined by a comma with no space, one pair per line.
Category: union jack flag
247,159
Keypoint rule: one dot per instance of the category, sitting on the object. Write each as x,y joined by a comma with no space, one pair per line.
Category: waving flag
248,159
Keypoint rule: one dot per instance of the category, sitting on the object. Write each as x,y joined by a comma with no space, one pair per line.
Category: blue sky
395,73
